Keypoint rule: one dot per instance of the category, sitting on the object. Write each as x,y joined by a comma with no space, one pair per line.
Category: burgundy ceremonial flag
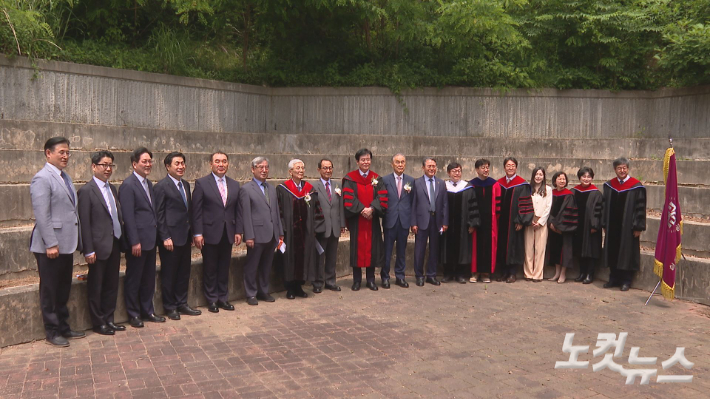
668,249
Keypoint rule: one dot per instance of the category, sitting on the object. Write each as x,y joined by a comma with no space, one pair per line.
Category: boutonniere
407,187
308,199
374,181
337,191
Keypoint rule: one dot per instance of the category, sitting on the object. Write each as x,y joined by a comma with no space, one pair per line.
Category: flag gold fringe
667,291
658,268
666,164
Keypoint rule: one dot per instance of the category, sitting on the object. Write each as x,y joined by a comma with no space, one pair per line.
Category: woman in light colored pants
536,234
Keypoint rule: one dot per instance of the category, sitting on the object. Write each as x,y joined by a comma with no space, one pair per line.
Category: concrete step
694,241
31,135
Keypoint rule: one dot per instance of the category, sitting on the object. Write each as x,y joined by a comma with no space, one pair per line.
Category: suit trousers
175,275
369,274
399,235
215,266
55,277
587,265
139,283
326,261
420,241
257,268
102,287
535,246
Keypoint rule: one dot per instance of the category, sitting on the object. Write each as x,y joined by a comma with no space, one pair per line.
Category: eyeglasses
262,167
107,165
64,154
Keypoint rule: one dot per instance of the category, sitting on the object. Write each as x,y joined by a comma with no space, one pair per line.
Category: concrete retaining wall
72,93
22,321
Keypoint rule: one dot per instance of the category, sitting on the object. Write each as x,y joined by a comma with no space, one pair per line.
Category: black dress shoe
611,284
187,310
104,330
58,341
225,305
446,279
386,284
290,295
401,282
116,327
580,278
252,301
265,298
301,294
420,281
136,322
153,318
588,279
172,314
371,285
73,334
625,286
212,307
355,287
332,287
433,281
317,290
460,280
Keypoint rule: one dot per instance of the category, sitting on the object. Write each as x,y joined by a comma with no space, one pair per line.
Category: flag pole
652,292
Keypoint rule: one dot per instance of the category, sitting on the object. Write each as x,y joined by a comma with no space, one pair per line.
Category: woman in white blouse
536,234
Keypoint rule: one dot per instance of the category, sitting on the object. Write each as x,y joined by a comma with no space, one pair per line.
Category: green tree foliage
606,44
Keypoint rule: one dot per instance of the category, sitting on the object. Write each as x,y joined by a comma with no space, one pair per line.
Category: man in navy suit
263,233
430,219
397,219
173,205
140,224
214,224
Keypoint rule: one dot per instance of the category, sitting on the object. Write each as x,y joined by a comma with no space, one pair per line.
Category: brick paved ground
473,340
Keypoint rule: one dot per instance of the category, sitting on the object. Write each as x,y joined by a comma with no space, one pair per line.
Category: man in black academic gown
623,218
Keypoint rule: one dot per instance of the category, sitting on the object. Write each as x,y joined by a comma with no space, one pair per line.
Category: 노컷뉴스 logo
606,341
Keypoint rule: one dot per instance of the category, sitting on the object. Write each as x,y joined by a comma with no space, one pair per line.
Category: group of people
476,229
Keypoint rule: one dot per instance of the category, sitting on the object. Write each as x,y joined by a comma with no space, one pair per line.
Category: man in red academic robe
365,202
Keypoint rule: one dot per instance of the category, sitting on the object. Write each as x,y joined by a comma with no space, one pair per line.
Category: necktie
399,186
222,191
182,193
327,190
266,193
431,195
454,184
147,191
114,213
65,177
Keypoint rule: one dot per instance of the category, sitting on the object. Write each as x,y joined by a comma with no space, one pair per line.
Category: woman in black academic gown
588,237
299,207
562,223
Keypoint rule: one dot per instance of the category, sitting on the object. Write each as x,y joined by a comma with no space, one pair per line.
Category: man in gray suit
397,219
101,228
260,224
430,219
329,228
54,239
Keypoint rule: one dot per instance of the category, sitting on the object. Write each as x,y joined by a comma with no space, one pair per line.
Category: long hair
541,191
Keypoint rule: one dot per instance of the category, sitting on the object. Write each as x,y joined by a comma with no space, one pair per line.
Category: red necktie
327,190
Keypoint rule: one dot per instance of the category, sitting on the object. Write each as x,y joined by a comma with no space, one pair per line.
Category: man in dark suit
329,228
214,225
430,219
54,239
101,227
263,233
397,219
140,226
173,205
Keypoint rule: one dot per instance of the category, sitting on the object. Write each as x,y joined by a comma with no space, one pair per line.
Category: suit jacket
420,203
139,220
56,216
260,220
209,215
400,208
170,210
333,211
97,224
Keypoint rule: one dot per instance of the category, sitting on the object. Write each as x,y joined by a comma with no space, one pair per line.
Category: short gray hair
293,163
621,161
256,161
398,154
